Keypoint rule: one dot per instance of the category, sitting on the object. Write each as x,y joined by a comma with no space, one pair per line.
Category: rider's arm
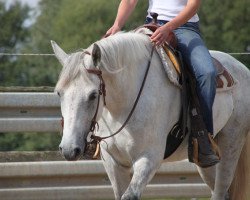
125,9
189,11
162,33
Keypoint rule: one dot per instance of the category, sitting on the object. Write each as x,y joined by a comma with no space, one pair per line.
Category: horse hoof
130,197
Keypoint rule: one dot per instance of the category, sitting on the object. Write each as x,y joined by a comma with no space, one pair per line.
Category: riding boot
202,149
205,151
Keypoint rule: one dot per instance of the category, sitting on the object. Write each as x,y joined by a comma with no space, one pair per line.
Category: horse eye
58,93
92,96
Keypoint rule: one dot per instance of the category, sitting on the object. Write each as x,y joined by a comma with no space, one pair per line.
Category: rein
102,91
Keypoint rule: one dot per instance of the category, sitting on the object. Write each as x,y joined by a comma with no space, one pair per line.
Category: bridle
102,92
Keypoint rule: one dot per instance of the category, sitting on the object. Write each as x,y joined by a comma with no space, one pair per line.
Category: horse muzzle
71,154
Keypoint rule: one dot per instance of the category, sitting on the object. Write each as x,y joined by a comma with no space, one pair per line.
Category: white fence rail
88,180
59,180
29,112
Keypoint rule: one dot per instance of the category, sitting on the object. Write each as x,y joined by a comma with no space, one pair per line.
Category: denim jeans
197,57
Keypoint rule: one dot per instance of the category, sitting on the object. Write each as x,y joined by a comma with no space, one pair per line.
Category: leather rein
102,92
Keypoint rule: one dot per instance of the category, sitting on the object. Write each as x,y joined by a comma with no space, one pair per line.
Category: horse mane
123,50
117,52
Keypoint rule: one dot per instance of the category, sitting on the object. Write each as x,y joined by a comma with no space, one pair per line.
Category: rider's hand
113,30
161,35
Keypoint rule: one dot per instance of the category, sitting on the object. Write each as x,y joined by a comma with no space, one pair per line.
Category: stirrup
205,159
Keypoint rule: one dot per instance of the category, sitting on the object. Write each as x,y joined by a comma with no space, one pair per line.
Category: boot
205,151
202,149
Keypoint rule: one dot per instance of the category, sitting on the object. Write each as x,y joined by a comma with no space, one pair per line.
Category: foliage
11,23
225,26
13,35
29,141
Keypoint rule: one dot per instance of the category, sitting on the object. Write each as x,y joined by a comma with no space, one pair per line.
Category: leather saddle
223,79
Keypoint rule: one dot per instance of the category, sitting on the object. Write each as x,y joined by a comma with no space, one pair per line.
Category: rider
180,16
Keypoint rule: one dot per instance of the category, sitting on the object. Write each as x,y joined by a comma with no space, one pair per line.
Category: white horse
140,146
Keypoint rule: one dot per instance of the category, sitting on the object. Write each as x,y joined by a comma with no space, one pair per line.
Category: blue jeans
197,57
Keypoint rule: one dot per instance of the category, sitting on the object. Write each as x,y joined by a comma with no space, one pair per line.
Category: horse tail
240,186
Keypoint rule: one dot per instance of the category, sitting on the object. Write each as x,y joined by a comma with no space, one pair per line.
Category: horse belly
222,109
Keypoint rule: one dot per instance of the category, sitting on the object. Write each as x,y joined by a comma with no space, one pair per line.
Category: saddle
223,79
172,40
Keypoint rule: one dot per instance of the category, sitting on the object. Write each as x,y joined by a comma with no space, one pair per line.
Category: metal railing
88,180
29,112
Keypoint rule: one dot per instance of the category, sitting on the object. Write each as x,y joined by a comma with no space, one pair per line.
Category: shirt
168,9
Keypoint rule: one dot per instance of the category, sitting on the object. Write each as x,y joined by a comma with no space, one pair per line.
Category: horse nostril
77,151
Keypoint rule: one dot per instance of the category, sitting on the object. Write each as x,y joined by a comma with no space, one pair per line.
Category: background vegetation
76,24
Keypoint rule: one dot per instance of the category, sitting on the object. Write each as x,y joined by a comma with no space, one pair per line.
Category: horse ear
96,55
59,53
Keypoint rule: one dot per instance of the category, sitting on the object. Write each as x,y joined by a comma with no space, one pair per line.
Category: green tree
225,26
29,141
13,35
74,25
41,70
80,23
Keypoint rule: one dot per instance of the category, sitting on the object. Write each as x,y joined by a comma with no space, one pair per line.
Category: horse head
79,96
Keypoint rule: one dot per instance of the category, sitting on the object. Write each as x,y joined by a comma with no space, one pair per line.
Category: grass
181,199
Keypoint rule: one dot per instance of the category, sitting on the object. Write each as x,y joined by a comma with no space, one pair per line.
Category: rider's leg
198,58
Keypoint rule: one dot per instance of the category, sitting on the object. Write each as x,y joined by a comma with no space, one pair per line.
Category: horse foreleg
143,171
208,175
119,175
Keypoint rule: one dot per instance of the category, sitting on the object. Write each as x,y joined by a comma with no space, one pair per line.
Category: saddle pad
224,80
171,64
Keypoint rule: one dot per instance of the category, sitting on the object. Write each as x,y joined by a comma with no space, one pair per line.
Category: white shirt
168,9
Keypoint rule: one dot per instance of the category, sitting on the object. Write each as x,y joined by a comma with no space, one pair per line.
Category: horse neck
122,89
128,53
